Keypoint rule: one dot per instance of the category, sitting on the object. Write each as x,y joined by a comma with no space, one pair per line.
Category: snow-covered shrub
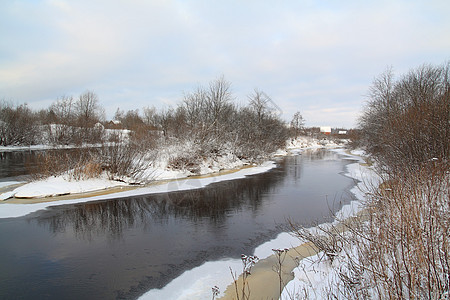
121,161
398,247
77,164
407,253
406,121
18,125
328,241
125,161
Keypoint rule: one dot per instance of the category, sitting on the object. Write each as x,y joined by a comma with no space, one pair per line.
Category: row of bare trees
399,248
72,121
407,121
207,117
66,121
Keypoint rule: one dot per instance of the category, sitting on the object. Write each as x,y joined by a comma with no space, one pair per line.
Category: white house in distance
325,130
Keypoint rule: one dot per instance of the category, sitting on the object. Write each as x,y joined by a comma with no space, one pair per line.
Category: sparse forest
398,247
206,123
406,130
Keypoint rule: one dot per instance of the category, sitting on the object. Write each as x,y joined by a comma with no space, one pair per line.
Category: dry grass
120,161
407,249
400,249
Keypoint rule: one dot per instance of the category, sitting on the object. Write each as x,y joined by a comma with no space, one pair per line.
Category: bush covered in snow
206,132
407,122
398,246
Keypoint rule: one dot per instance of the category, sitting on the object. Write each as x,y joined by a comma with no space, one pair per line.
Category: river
121,248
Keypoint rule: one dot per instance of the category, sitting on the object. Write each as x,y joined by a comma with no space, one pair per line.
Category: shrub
406,122
17,125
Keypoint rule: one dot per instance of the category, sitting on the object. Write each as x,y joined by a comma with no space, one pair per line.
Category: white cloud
302,53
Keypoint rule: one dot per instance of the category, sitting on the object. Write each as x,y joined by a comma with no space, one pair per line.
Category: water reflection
121,248
15,163
211,204
113,217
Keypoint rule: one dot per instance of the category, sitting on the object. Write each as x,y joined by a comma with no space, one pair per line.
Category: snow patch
9,210
56,186
197,283
315,275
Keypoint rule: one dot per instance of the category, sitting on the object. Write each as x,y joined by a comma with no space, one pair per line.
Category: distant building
325,130
342,132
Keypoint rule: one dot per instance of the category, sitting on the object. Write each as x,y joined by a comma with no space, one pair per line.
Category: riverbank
8,210
60,188
305,271
263,281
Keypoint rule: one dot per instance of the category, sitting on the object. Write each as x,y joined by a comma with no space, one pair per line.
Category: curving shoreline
264,284
263,281
9,209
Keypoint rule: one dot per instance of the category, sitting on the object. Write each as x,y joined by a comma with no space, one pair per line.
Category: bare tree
62,127
218,103
88,109
207,113
149,116
406,122
259,103
17,125
193,108
297,123
64,110
164,120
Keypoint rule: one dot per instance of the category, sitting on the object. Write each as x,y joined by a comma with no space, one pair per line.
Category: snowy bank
316,276
57,186
159,170
8,210
197,283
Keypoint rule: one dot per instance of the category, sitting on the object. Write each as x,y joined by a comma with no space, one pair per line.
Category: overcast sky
316,57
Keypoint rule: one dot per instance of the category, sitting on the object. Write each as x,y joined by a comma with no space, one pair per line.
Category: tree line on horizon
206,116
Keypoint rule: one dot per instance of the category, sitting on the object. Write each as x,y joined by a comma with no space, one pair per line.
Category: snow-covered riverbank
159,171
317,277
197,283
8,210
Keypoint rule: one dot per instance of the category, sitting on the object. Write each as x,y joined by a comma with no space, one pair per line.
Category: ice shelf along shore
9,210
197,283
178,180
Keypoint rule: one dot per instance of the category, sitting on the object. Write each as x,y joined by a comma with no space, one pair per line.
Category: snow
44,147
315,276
8,183
282,241
56,186
312,277
9,210
305,142
195,283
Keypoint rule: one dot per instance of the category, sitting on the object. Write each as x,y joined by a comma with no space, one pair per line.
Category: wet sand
105,191
264,283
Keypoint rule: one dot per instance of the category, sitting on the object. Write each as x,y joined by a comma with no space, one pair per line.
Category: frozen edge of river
10,210
197,282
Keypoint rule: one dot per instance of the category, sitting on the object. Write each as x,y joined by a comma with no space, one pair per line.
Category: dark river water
121,248
16,163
